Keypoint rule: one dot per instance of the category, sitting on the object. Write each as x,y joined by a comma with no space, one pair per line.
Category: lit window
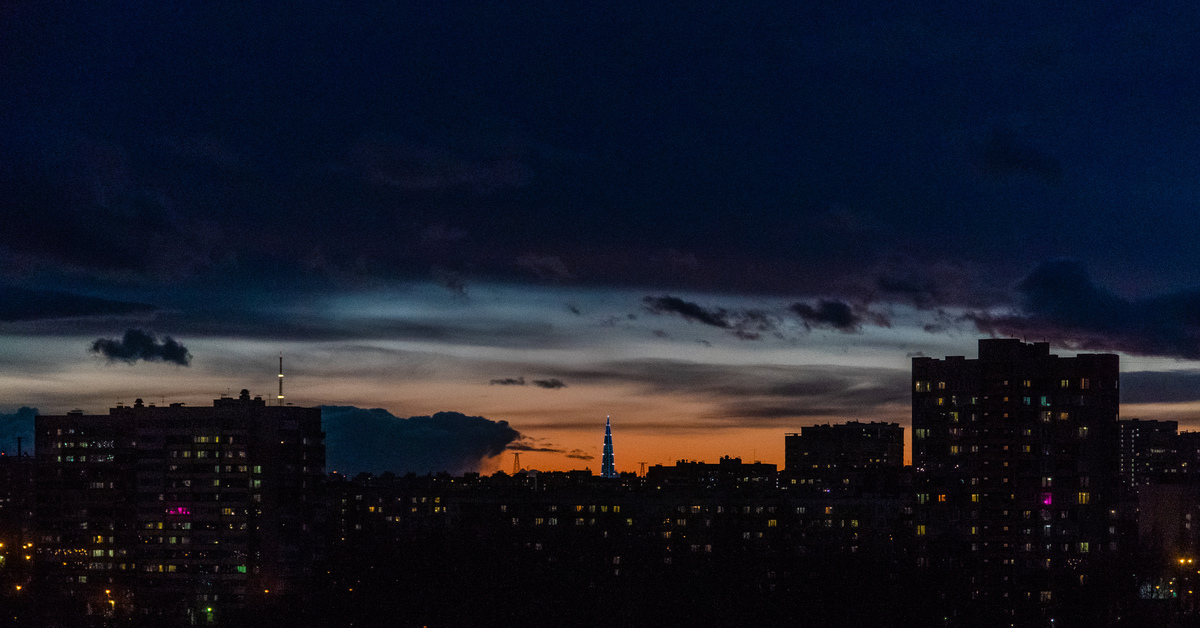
922,386
1084,498
1066,383
1084,384
921,530
1083,547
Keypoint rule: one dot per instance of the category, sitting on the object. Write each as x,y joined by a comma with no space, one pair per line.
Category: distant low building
726,473
1150,453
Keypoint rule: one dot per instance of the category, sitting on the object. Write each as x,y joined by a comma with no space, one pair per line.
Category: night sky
716,222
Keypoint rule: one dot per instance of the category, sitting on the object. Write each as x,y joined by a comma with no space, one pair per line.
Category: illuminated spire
608,468
281,379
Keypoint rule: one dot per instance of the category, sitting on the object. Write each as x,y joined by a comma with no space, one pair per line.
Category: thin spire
608,468
281,379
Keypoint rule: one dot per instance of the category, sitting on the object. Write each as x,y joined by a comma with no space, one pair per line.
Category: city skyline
716,225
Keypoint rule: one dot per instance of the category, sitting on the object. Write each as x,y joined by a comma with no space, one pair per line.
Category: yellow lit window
921,530
1084,498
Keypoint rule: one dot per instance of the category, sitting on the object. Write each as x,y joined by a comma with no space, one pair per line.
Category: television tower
281,379
608,468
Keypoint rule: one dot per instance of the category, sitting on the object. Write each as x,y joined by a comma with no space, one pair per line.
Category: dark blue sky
213,170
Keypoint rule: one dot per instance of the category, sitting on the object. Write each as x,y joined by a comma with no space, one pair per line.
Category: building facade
186,512
1016,461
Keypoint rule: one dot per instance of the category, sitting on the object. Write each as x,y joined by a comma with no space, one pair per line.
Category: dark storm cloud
169,144
687,310
1160,386
1060,303
21,304
141,345
508,381
14,424
829,315
550,384
376,441
747,324
580,454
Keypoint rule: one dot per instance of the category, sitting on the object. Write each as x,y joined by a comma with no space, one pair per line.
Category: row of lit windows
99,458
1047,499
206,453
928,386
103,444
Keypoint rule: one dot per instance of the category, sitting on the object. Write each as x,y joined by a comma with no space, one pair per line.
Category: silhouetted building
180,512
726,473
1150,453
1016,458
715,547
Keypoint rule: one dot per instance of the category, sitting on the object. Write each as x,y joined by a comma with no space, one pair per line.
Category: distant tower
281,379
607,468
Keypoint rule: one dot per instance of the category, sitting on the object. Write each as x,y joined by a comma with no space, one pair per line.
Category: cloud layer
376,441
1060,303
142,345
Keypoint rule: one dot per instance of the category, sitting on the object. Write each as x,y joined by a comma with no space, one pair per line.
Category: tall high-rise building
1016,456
608,468
184,512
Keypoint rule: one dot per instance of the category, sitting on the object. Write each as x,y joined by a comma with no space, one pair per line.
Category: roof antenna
281,378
